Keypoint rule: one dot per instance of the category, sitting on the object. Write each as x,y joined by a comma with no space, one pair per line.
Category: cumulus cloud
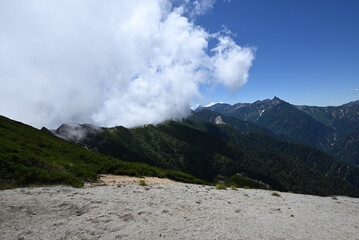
194,106
212,104
110,62
231,63
201,7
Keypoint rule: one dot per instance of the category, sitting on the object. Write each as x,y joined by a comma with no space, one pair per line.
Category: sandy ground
115,180
167,210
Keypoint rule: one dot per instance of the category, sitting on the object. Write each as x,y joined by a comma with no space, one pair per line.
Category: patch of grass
221,187
245,182
234,188
246,187
6,186
334,198
142,183
275,194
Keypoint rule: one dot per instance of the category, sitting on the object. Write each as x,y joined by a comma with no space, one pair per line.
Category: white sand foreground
172,211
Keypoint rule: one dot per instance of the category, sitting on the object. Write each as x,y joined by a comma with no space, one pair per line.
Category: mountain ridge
319,127
188,147
29,156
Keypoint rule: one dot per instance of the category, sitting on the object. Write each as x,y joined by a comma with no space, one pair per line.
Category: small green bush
234,188
244,182
275,194
221,187
143,183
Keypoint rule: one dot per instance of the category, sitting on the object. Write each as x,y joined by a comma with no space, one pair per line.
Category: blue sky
307,51
136,62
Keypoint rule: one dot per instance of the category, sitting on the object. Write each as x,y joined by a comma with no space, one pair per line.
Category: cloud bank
110,62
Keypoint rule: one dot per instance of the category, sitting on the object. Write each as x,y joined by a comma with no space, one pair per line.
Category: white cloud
110,62
231,63
212,104
357,89
194,106
201,7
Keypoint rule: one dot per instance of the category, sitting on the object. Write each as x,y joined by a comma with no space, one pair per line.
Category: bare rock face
219,120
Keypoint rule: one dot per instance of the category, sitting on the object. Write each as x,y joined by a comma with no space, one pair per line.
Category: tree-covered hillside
343,119
244,127
257,141
281,118
348,149
32,157
330,129
179,146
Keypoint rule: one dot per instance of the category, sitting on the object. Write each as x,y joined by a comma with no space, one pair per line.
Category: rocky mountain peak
219,120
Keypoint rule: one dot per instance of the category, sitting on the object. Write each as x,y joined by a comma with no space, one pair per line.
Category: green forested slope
241,126
313,158
347,148
29,156
331,129
343,119
179,146
281,118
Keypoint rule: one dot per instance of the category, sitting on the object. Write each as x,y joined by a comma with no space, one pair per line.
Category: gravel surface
173,211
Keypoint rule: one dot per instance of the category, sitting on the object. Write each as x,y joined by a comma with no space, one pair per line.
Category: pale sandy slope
172,211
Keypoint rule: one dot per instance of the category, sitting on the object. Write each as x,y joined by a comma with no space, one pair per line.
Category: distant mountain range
266,144
208,144
334,130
